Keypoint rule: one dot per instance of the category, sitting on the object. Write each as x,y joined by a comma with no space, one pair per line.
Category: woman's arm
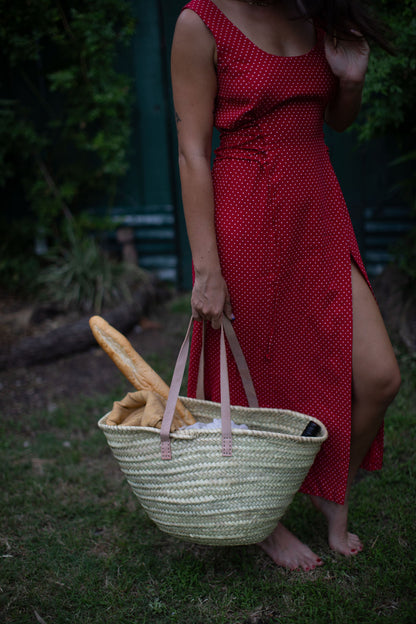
194,86
348,61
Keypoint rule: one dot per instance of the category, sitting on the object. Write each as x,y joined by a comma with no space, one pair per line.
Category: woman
271,240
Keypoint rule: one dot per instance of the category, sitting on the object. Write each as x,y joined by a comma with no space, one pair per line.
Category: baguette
132,365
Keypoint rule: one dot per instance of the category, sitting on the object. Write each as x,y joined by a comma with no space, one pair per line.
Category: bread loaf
131,364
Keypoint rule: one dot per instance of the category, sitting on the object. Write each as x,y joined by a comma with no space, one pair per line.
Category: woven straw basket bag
217,486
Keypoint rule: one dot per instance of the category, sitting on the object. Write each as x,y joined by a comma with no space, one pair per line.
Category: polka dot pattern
285,241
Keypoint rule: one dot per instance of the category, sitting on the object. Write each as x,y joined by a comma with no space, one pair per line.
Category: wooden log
77,336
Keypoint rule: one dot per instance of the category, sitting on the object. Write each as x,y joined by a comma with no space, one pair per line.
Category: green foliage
64,135
389,101
19,265
81,276
390,90
65,125
22,254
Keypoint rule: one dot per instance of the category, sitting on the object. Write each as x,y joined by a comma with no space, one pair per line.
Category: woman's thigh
375,372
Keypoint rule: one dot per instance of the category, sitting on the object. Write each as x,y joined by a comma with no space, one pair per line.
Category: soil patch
91,372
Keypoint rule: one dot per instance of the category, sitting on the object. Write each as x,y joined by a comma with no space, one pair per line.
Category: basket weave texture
200,495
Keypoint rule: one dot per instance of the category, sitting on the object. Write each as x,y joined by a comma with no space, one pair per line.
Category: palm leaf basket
217,486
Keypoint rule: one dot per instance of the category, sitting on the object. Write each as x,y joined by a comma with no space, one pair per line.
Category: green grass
75,545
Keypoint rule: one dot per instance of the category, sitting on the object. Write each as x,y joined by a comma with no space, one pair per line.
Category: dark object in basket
312,430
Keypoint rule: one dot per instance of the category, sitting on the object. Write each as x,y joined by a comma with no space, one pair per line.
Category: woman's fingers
228,309
196,316
214,317
216,322
211,299
211,317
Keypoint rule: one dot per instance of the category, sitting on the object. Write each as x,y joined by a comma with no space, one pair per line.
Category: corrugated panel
154,237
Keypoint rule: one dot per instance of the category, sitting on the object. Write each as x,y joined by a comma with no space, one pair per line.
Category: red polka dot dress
285,241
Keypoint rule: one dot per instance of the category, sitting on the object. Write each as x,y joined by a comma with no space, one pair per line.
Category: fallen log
77,336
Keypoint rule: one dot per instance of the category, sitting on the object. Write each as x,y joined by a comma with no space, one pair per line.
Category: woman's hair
337,17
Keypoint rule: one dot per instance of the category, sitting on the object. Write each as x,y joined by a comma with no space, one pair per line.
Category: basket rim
189,434
245,408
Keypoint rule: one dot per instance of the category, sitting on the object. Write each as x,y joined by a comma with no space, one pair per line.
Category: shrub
65,123
81,276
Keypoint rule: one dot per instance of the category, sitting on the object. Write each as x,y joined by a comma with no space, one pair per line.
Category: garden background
91,222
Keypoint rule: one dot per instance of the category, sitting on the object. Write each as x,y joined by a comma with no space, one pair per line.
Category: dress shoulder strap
213,18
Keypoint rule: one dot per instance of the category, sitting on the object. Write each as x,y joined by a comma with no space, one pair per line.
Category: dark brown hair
337,17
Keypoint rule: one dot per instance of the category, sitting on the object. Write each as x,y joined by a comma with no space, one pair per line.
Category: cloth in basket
217,486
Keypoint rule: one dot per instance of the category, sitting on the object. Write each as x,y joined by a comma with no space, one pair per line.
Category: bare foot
339,538
287,551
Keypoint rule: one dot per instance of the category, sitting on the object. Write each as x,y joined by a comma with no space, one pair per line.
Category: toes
344,550
310,563
354,544
295,562
348,546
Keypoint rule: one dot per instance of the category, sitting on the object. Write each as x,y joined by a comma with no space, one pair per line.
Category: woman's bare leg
376,381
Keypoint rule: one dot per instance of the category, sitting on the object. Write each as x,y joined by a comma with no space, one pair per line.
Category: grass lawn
75,545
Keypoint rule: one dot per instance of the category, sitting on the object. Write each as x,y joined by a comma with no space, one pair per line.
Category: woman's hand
348,59
211,299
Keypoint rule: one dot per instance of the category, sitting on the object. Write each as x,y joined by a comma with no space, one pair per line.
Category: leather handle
239,359
175,385
178,373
